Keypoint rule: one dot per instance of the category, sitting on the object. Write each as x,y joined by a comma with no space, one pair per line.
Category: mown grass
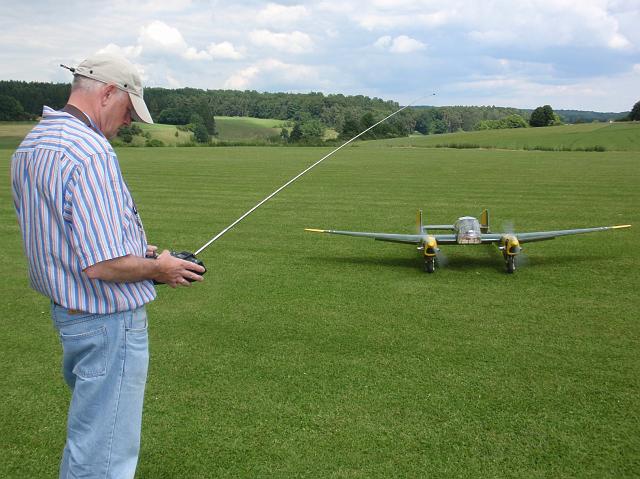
164,133
307,355
230,129
580,137
244,128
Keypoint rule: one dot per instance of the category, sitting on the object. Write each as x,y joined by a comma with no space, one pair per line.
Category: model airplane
466,230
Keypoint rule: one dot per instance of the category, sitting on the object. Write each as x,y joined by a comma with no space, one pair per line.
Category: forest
313,111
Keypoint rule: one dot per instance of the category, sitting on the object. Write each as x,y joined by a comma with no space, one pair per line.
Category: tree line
309,114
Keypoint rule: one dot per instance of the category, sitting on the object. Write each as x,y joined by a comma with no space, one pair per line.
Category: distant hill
251,116
568,116
235,130
579,116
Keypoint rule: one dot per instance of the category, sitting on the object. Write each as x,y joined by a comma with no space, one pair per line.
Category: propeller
508,227
441,258
521,259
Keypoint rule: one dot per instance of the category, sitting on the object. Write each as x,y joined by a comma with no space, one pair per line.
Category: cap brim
140,110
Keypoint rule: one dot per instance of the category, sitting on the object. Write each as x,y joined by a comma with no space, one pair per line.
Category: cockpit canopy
467,230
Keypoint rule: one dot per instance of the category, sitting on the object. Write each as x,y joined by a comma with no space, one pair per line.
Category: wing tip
314,230
620,226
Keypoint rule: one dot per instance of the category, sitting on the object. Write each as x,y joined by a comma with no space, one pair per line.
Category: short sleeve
96,211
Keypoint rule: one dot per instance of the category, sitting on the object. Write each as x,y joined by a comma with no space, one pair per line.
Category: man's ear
107,94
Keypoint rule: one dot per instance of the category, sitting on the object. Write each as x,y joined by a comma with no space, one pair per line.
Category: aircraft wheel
430,264
511,264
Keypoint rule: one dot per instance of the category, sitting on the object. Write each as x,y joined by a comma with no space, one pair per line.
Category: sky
570,54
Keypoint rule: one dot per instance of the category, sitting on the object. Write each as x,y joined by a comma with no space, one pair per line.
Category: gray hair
88,85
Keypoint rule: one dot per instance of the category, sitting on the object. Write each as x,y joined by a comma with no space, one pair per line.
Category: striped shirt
75,210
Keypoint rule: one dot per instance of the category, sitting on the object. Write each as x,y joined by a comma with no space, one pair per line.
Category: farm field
307,355
233,129
611,136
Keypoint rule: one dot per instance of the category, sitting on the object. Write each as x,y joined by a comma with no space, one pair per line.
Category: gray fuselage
467,230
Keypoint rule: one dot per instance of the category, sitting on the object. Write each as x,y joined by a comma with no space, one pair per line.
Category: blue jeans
105,360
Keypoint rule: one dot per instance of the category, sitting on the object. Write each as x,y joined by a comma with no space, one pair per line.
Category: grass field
231,129
307,355
611,136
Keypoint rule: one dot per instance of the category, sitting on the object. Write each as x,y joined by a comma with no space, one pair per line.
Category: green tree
174,116
312,131
367,120
537,118
437,126
548,113
514,121
204,109
542,116
635,112
11,109
284,135
350,128
127,132
296,134
200,133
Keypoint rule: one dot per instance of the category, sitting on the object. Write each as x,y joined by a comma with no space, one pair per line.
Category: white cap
108,68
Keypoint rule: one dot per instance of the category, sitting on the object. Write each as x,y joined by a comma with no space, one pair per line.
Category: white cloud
205,44
273,71
618,41
493,37
542,24
224,50
192,54
294,42
242,79
159,37
405,44
154,6
173,82
128,52
281,15
378,20
584,94
383,42
399,44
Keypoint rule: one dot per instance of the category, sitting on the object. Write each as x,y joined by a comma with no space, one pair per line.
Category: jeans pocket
87,352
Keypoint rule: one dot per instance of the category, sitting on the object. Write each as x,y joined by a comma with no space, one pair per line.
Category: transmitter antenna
216,237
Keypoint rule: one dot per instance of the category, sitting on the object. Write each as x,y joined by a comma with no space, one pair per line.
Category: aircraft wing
491,237
395,238
445,238
392,237
547,235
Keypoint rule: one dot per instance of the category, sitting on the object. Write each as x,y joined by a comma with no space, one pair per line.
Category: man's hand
164,269
176,272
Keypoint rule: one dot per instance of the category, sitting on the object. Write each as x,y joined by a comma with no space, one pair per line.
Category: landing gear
429,264
510,262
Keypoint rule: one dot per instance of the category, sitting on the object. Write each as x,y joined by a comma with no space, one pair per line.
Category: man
86,251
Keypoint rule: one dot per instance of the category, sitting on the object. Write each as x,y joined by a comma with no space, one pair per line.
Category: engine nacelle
430,246
510,245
